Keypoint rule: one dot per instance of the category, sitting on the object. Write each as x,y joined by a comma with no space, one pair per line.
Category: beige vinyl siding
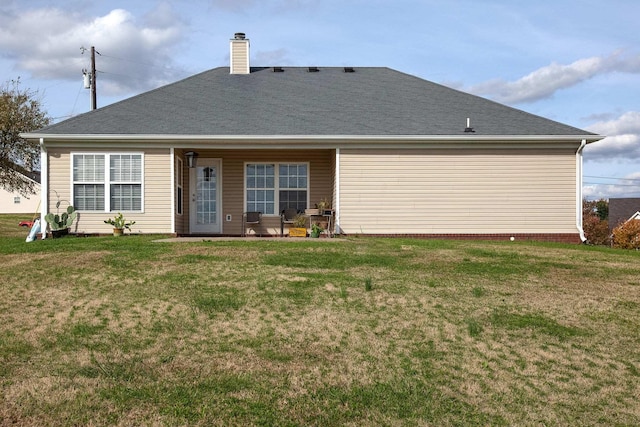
239,57
233,181
156,191
458,191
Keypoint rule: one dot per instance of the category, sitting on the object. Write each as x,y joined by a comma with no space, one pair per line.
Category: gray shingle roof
621,209
368,101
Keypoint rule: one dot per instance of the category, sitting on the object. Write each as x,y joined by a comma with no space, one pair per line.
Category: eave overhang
303,141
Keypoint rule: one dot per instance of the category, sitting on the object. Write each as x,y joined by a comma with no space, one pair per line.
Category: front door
204,187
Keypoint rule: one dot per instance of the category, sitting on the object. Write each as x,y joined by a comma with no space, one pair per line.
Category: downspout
173,189
44,187
336,227
583,238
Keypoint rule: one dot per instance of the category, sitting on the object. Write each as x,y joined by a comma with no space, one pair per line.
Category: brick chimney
239,54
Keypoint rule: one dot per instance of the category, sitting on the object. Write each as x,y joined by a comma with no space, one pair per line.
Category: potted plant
60,224
299,226
119,224
323,205
316,230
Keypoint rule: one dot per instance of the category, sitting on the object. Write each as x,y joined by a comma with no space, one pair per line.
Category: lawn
358,331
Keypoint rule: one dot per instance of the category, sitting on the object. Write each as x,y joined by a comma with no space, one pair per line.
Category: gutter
297,139
583,238
44,187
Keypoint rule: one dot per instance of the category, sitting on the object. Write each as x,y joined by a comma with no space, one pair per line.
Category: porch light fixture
191,156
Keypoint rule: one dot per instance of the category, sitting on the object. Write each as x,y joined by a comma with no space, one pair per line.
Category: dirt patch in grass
399,332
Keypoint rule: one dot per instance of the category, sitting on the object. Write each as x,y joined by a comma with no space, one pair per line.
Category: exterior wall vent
239,55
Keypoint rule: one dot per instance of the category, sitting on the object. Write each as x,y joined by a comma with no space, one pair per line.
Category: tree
595,222
20,111
602,209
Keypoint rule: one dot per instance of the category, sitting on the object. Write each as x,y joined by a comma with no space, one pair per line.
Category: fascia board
308,140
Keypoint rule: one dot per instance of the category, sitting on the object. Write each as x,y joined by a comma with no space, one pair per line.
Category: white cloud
627,186
622,142
620,147
136,55
546,81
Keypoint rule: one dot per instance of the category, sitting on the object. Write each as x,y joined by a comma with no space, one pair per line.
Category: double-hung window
273,187
107,182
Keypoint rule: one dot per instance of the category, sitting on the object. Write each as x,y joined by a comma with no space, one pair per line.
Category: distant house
395,154
16,203
622,210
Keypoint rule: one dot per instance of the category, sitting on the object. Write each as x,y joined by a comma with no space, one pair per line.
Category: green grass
129,331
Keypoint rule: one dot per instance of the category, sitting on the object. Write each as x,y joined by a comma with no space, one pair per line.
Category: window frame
276,189
179,186
107,182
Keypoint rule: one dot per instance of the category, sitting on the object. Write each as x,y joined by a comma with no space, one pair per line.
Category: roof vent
278,69
349,70
239,36
313,69
469,129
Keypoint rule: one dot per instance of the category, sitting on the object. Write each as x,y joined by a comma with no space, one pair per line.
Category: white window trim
107,177
179,170
276,196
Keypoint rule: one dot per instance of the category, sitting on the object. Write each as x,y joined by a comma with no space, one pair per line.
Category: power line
612,185
612,177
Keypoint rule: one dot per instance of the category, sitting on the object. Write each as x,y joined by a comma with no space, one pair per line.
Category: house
13,202
395,154
622,210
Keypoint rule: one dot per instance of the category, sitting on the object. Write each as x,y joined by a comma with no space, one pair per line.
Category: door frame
203,162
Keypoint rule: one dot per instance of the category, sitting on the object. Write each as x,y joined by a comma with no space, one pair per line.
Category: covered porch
214,188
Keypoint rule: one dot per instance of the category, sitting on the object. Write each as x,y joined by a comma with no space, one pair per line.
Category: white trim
276,178
173,189
203,162
180,185
107,178
337,194
583,238
298,139
44,187
634,216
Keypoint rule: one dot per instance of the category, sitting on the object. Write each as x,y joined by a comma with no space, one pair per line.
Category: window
276,186
179,184
126,182
88,182
107,182
16,200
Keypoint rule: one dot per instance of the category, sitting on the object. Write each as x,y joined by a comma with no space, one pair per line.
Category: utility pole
90,77
94,103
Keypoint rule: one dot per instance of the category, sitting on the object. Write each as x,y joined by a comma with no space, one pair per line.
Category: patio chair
286,217
251,219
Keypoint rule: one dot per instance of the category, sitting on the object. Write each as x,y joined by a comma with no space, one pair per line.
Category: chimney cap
239,36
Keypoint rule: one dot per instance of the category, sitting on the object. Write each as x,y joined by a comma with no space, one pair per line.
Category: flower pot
59,233
297,232
118,231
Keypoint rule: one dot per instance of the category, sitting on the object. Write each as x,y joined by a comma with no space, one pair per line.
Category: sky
573,61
